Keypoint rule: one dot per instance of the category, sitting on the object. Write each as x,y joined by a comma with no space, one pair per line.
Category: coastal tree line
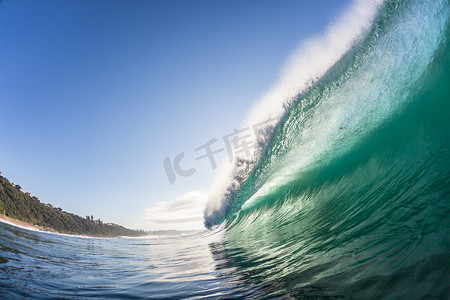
22,206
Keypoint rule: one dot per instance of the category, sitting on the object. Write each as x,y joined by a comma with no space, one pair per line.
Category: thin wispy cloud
182,213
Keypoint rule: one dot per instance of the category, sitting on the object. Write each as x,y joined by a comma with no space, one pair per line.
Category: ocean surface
349,198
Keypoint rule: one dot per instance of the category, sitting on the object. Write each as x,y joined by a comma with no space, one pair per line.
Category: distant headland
23,209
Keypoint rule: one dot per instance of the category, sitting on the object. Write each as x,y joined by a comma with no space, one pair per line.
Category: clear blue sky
95,94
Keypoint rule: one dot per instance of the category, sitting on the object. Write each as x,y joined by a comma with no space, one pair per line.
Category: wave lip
305,66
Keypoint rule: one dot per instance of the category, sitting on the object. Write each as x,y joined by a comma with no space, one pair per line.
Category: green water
351,198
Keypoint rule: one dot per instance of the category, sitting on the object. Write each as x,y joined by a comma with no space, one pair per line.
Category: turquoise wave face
369,87
352,195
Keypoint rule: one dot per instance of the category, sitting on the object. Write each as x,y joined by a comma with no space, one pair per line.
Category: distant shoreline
21,209
25,225
28,226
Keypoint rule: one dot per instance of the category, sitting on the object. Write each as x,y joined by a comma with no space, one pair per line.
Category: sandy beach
18,223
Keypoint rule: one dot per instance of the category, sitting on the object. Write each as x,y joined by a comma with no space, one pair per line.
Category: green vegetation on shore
14,203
